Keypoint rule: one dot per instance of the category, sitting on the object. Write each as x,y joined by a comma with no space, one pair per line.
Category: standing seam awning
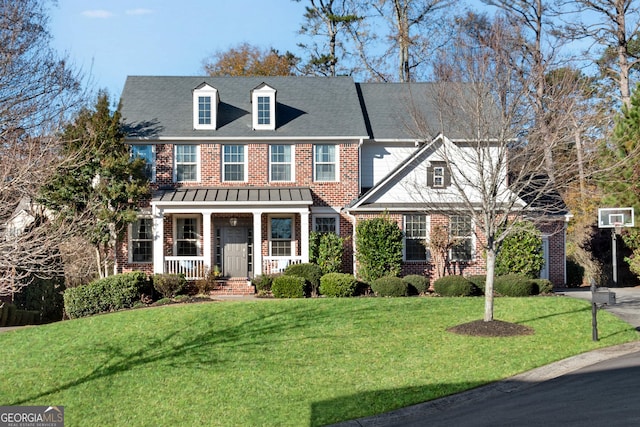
213,195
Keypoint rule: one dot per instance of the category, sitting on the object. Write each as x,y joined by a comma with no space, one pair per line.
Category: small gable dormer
205,107
263,107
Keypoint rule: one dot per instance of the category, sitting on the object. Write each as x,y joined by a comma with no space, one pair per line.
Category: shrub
263,283
310,272
4,314
44,296
378,248
168,285
521,251
325,250
209,281
454,286
338,285
515,285
104,295
575,273
544,286
390,286
479,281
417,284
288,287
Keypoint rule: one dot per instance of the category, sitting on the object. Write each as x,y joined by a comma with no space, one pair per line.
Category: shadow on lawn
196,350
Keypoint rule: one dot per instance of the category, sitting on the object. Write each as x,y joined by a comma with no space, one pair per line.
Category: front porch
240,233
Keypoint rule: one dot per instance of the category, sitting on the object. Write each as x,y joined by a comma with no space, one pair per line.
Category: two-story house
244,168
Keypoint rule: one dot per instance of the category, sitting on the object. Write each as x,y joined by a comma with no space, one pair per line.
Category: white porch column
206,239
304,235
257,243
158,240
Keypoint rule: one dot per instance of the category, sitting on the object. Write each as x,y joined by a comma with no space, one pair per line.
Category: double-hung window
186,163
416,232
187,235
281,162
281,236
141,240
147,153
204,110
325,224
233,163
438,176
205,107
325,159
461,231
264,110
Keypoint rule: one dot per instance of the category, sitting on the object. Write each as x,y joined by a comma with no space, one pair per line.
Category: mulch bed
495,328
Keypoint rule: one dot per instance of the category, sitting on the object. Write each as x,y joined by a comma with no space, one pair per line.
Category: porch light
233,221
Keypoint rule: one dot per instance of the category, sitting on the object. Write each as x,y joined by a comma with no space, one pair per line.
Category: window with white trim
326,224
416,233
438,176
141,241
325,162
205,107
280,236
148,154
461,232
234,166
281,162
187,236
263,110
187,165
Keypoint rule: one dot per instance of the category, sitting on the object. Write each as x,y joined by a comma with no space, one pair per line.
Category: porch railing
277,264
192,267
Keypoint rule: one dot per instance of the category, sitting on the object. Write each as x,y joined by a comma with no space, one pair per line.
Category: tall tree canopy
248,60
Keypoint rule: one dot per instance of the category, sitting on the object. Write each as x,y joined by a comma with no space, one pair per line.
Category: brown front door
234,243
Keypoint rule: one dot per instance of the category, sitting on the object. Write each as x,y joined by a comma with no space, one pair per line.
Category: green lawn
282,362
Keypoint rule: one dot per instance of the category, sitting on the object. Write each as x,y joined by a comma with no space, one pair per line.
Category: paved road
599,388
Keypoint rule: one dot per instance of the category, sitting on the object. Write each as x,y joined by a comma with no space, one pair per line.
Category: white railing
193,268
277,264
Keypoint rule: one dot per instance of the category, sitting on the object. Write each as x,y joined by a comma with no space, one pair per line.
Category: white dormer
205,107
263,109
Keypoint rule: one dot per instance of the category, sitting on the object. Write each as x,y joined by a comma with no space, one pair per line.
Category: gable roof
161,107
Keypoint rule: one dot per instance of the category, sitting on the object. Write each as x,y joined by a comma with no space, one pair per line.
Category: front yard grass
282,362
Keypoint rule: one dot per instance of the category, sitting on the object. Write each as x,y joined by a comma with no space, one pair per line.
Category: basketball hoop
617,228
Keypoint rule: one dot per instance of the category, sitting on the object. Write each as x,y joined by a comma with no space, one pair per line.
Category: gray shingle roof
156,106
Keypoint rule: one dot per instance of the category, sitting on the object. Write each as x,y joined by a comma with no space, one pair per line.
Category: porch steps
234,286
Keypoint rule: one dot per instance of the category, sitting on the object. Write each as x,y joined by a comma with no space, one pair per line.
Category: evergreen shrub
417,284
263,283
338,285
310,272
515,285
378,248
390,286
479,281
454,286
105,295
288,287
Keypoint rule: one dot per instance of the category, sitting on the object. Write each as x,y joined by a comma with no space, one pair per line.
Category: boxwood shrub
479,281
417,284
454,286
338,285
515,285
310,272
105,295
390,286
288,287
544,286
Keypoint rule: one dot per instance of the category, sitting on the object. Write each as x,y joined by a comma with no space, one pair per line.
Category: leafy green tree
378,248
325,250
103,184
521,252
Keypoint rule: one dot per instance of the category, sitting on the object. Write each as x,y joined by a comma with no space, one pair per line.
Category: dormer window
263,100
205,107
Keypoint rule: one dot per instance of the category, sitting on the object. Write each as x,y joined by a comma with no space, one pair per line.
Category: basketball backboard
615,217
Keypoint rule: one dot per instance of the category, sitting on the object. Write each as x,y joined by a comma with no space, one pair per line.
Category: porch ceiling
240,195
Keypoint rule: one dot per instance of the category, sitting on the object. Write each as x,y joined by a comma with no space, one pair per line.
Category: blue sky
110,39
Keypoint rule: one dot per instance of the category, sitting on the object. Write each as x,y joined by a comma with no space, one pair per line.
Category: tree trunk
488,289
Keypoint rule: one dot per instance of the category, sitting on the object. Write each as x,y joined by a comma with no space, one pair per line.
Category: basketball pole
614,256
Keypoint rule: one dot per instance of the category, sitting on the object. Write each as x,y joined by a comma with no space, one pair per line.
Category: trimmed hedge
454,286
479,281
417,284
288,287
338,285
544,286
515,285
169,285
104,295
310,272
390,286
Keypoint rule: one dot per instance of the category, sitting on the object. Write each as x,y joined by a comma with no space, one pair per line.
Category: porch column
206,239
304,235
158,240
257,243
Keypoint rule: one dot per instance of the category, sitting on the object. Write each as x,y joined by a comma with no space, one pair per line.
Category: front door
234,240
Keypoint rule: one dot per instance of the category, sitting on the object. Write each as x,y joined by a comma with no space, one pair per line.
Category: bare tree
611,26
37,91
495,176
